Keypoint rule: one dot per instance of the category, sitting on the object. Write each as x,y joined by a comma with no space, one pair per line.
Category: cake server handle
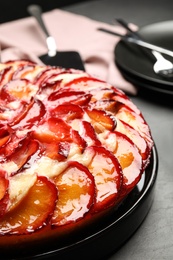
36,11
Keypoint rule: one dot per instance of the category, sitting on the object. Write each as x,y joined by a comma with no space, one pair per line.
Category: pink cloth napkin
24,39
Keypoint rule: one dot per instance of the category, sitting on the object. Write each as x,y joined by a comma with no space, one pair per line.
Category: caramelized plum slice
6,75
3,184
11,145
85,82
18,89
57,130
4,135
76,194
28,72
4,197
54,129
60,135
56,150
53,79
22,71
130,160
107,175
65,96
3,140
26,148
32,116
99,117
124,100
43,76
137,139
67,112
38,203
10,68
137,122
88,134
19,63
77,139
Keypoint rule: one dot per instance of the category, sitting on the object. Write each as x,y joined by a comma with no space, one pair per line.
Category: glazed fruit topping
108,178
4,183
18,89
76,190
99,117
34,210
71,146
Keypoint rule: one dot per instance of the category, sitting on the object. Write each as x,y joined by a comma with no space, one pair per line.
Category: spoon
162,66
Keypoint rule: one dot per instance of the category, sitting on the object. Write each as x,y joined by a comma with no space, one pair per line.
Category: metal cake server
65,59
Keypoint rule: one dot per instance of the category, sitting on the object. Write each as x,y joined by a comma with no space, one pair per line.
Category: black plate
136,63
106,237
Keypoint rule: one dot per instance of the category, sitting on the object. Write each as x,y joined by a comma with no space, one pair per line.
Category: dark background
16,9
138,12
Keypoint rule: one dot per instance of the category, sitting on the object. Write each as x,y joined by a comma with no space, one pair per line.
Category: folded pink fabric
24,39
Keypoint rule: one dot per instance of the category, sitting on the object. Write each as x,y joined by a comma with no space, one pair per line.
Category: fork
162,66
161,71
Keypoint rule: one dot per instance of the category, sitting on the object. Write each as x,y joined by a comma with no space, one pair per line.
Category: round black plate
105,238
136,63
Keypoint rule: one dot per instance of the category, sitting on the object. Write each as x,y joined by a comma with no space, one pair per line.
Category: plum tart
71,148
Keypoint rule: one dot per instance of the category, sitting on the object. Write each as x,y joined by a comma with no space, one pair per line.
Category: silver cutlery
162,66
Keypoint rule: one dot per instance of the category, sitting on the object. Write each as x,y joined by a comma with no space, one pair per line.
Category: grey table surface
154,239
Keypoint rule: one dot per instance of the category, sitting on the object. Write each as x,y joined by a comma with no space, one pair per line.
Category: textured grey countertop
154,239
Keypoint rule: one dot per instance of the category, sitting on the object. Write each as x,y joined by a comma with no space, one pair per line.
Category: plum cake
71,147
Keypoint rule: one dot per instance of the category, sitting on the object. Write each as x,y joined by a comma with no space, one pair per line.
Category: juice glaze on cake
71,145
